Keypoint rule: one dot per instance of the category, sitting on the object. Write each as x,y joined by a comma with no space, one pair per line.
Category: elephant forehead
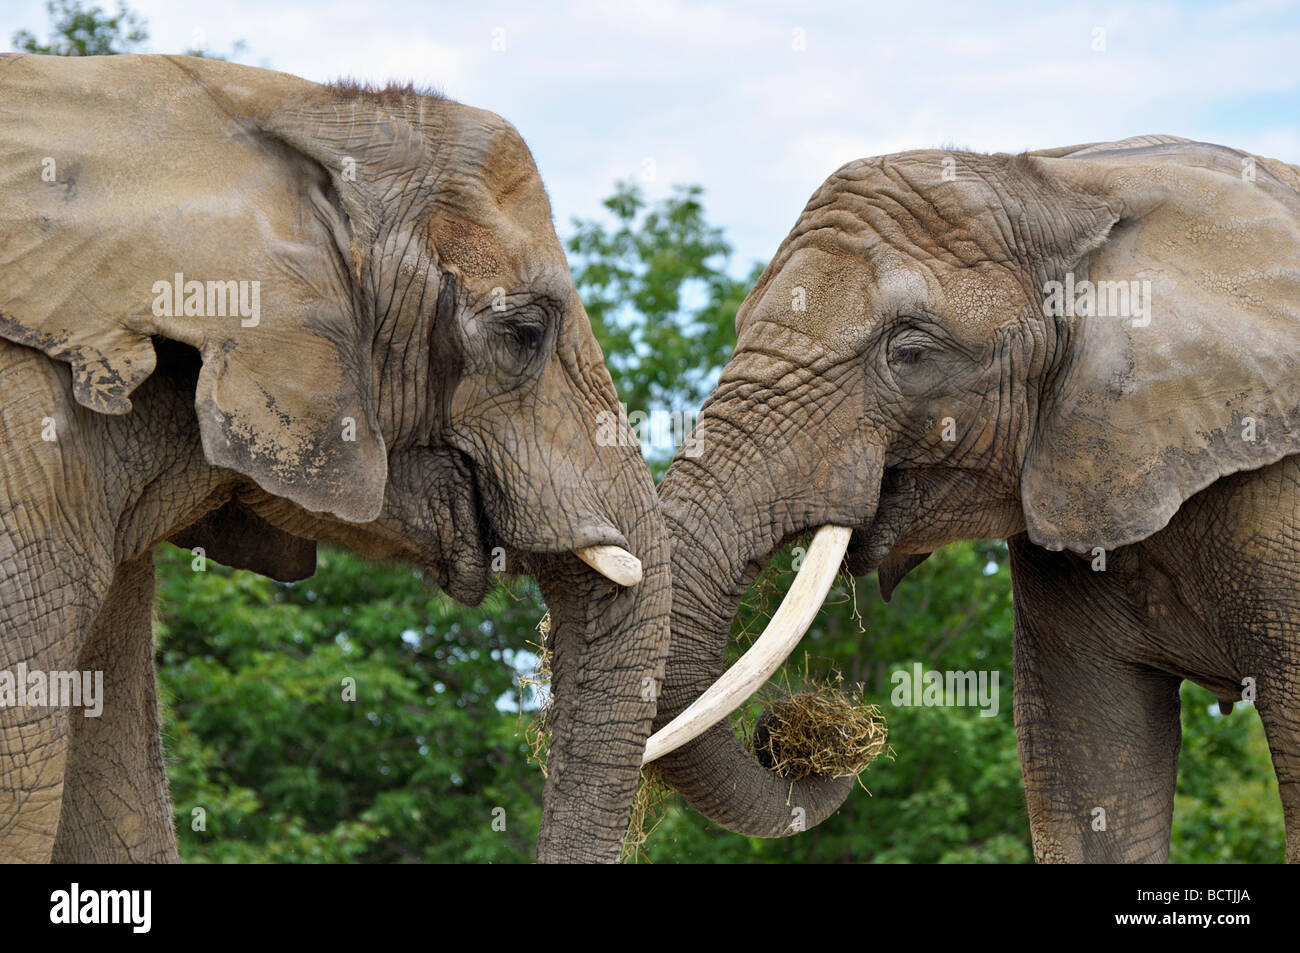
978,300
497,253
492,218
839,298
944,209
470,247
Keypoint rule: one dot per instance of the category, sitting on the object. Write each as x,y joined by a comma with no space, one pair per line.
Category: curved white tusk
613,562
820,566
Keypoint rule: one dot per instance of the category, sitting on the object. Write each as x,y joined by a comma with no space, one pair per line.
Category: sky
759,102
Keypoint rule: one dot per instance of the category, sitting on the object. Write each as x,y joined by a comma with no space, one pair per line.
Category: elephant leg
39,633
116,806
1283,732
33,753
1278,688
1098,735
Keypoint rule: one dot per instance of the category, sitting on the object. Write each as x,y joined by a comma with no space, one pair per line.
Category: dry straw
537,731
649,809
822,729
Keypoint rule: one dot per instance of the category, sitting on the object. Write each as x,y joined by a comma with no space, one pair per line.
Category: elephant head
950,345
409,370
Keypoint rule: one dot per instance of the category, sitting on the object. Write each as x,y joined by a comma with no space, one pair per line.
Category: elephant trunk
608,646
725,519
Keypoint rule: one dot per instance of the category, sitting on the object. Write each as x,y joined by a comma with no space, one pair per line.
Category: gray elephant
1092,352
247,312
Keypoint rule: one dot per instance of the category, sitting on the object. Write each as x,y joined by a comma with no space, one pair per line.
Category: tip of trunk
721,780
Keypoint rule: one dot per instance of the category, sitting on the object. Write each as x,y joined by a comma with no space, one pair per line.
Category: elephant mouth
478,552
872,538
872,544
462,566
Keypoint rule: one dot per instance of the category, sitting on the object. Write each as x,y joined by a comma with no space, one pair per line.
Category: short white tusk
613,562
820,566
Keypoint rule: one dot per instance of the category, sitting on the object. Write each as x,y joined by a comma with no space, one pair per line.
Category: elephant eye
528,336
907,354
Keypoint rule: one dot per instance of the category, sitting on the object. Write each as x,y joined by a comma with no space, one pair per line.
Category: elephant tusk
613,562
820,566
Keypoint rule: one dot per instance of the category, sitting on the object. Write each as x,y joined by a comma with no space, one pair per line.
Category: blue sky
720,93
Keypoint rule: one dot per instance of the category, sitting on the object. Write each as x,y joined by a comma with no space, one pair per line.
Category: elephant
249,313
1090,352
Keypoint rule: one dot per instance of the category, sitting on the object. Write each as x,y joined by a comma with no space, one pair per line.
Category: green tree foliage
1227,807
656,287
353,716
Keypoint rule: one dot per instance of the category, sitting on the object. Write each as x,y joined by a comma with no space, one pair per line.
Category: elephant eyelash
908,354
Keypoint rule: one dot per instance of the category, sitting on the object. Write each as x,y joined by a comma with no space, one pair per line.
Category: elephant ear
165,239
1200,376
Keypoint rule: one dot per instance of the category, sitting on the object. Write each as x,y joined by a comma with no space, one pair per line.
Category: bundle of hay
822,730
